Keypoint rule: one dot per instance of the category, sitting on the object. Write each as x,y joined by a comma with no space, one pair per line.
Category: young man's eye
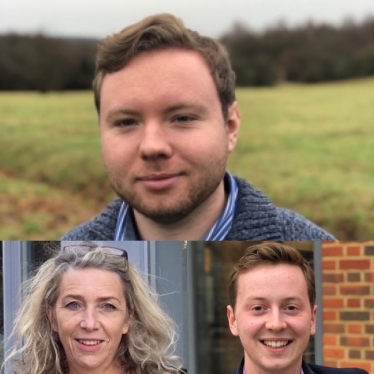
183,118
291,307
126,122
258,308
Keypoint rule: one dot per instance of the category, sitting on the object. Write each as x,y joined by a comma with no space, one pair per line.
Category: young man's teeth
90,342
275,344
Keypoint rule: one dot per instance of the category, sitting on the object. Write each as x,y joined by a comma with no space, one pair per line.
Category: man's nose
155,141
90,320
275,321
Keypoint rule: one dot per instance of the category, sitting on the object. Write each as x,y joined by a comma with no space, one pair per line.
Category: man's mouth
276,343
157,176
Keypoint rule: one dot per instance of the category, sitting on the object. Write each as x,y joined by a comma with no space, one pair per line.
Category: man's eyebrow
185,105
115,112
259,298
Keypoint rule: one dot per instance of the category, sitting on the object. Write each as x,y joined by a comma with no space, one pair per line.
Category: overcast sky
93,18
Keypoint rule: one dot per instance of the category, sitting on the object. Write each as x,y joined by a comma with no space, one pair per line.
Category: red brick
328,265
369,250
335,328
354,303
355,328
354,353
329,340
354,316
355,264
354,277
333,303
329,316
369,355
356,364
333,278
355,290
369,277
353,251
333,364
333,352
369,303
329,290
332,251
354,342
369,329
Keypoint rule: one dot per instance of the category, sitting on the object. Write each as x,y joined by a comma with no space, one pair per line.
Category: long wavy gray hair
147,347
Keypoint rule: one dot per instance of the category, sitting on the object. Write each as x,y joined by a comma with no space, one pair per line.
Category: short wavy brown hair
162,31
271,254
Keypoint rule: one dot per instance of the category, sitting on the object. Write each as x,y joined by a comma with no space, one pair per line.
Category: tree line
308,53
42,63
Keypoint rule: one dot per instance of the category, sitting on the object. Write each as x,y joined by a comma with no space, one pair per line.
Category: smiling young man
165,97
272,310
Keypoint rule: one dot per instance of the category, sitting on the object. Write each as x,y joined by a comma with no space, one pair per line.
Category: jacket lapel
307,369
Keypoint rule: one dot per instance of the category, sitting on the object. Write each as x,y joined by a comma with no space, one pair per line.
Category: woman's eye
72,306
109,307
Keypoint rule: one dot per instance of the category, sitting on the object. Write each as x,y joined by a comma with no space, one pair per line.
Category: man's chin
163,216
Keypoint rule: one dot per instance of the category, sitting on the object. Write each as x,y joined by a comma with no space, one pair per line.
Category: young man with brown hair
165,97
272,309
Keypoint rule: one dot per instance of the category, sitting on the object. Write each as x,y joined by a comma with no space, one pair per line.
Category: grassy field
309,148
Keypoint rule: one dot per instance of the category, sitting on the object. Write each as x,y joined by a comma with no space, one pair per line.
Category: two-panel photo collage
178,202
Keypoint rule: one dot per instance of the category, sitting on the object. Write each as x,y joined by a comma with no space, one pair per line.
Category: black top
314,369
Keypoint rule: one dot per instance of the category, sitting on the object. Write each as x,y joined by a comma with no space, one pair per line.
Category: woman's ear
52,319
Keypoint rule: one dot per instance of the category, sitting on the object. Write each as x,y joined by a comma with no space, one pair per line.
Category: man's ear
233,125
232,320
313,321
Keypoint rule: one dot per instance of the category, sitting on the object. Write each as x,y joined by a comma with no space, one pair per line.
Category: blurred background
305,76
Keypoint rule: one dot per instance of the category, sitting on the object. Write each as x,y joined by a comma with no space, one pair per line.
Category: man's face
273,318
164,139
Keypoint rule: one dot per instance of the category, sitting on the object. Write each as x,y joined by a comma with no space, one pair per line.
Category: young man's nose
275,321
154,142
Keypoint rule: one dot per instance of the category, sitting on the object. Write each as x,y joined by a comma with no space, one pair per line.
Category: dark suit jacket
314,369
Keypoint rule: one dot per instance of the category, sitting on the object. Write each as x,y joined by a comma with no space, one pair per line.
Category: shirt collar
126,225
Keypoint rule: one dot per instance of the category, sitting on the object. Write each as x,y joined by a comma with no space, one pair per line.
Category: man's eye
72,306
183,118
126,122
258,308
292,307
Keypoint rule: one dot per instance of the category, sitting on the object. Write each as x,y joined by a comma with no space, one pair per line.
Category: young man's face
273,318
164,139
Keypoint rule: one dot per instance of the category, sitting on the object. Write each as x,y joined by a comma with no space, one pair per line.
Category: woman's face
90,318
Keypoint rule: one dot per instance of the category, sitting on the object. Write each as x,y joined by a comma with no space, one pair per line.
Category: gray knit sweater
256,218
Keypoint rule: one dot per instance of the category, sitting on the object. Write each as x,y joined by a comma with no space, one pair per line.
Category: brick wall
348,304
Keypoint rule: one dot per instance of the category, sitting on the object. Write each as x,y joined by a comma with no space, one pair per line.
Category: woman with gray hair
87,310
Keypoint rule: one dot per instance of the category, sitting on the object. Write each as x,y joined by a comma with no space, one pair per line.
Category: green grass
309,148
